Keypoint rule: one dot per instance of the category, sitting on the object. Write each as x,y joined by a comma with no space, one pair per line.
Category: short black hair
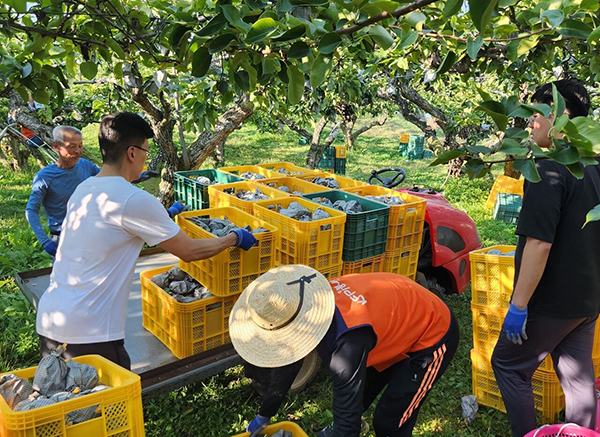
120,131
577,99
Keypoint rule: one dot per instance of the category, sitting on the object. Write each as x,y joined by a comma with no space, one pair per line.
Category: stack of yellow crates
492,277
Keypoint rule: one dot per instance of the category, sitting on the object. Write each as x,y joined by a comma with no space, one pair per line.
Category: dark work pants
570,343
111,350
408,383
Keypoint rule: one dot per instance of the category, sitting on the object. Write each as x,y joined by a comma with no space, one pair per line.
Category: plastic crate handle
562,428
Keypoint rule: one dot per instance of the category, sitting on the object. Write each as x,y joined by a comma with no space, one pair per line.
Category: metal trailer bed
160,370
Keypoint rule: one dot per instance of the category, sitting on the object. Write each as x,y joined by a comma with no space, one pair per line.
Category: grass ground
221,406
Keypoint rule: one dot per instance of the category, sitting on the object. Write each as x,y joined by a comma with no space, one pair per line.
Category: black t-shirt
554,211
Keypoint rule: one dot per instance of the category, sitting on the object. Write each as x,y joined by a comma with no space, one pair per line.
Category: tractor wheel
431,284
308,372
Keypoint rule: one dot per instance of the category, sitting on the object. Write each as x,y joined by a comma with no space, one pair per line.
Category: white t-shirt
107,222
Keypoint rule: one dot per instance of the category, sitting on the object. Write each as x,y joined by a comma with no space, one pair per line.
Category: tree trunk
509,169
347,129
217,158
14,155
207,141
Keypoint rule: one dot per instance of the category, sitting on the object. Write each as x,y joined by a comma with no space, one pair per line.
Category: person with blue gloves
107,222
556,301
54,184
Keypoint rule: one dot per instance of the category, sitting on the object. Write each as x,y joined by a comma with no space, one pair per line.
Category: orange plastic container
120,407
367,265
232,270
547,393
402,262
185,328
225,194
272,429
492,277
239,169
405,226
293,184
340,151
287,168
342,180
317,244
504,184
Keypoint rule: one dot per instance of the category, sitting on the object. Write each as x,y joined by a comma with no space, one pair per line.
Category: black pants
570,343
408,383
111,350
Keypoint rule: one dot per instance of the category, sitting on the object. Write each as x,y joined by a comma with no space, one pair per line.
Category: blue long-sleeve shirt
52,188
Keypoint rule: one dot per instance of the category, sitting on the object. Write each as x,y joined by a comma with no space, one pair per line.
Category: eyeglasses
148,154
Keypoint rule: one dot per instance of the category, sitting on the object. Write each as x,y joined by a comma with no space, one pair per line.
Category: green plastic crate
365,234
507,207
194,193
328,159
340,166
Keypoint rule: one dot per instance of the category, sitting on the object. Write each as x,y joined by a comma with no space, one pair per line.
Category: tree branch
379,122
46,32
316,136
384,16
332,135
293,126
457,38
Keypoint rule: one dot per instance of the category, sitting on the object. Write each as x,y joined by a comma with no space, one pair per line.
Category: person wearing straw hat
375,331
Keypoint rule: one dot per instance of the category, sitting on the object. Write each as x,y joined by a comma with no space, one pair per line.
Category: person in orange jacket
375,332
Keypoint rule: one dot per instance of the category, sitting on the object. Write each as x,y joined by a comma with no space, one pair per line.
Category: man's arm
32,210
190,249
533,263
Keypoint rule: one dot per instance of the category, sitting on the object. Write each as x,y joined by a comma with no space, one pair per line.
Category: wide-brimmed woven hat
282,316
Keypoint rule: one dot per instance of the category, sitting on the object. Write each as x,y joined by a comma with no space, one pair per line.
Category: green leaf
221,42
116,48
568,155
447,156
309,2
329,43
574,29
242,80
525,45
447,63
409,39
554,16
174,37
474,168
561,122
201,62
42,96
213,26
484,95
260,30
497,111
481,13
290,34
589,129
592,216
542,108
452,7
381,36
88,70
26,70
512,147
296,84
528,169
575,170
594,36
415,18
320,69
473,46
298,50
232,14
515,132
478,149
558,102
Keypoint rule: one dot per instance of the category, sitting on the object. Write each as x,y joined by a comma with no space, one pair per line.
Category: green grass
222,405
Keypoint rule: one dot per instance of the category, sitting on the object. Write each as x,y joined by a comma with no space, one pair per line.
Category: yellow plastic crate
239,169
342,180
368,265
317,244
332,272
340,151
504,184
492,277
402,262
405,226
185,328
405,138
547,393
220,198
232,270
272,429
292,169
294,184
120,407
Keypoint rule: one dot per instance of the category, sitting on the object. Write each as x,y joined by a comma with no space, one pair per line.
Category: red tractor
448,237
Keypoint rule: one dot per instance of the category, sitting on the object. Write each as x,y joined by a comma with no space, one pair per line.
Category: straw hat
274,324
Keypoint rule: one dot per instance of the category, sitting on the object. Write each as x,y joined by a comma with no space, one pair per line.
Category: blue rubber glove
514,324
326,432
176,208
245,239
50,246
257,425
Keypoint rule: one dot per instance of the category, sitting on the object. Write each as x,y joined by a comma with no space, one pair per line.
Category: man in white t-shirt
107,222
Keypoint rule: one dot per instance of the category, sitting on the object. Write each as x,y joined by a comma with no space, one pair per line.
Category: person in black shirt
556,297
